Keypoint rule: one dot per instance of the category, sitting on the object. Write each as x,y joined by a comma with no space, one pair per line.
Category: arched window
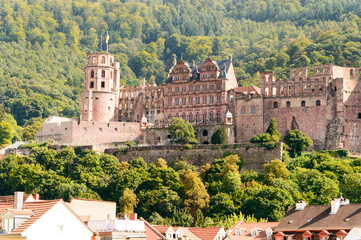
218,117
303,103
92,74
197,118
288,104
318,103
103,73
103,84
190,118
253,109
204,120
275,104
211,116
243,110
94,60
103,59
91,84
205,133
169,117
184,116
177,116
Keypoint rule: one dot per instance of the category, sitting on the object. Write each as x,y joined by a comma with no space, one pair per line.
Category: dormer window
208,68
254,232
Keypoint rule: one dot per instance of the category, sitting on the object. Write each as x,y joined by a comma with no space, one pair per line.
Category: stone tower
99,100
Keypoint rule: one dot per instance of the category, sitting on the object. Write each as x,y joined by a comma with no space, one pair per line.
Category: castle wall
253,157
89,133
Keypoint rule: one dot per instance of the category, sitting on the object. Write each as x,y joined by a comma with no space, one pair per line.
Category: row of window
184,77
102,84
102,60
198,118
191,88
183,101
244,110
303,104
92,74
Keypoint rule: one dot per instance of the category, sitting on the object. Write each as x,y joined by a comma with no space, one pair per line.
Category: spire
143,82
174,61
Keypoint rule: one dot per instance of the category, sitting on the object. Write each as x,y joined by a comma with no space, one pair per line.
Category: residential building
252,230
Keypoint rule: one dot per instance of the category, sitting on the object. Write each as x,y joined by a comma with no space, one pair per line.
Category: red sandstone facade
325,105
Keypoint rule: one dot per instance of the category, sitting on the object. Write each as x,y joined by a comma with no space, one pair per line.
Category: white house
41,220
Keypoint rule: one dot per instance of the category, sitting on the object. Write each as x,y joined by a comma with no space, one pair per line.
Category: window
211,99
243,110
197,118
177,89
184,77
211,76
190,101
92,74
190,118
204,117
91,84
191,88
205,88
208,68
288,104
177,101
218,99
198,100
184,101
169,102
359,115
184,89
184,116
103,84
169,90
103,59
218,117
275,104
169,117
211,87
318,103
204,75
198,88
211,116
204,100
303,104
253,109
94,60
103,73
218,87
231,98
205,133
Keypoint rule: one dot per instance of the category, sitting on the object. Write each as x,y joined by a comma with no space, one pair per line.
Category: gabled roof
38,209
10,198
19,212
247,227
223,66
318,218
151,232
247,90
205,233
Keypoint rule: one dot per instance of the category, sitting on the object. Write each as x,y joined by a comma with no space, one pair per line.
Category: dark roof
318,217
248,89
222,66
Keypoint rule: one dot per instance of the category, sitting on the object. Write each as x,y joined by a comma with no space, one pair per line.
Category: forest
43,44
216,194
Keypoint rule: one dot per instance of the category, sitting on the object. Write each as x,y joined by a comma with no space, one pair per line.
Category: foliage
297,141
6,133
275,169
219,136
128,201
270,139
182,132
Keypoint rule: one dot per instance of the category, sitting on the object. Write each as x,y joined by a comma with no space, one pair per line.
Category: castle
325,105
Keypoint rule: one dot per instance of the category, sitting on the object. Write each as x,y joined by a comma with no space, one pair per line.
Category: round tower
99,99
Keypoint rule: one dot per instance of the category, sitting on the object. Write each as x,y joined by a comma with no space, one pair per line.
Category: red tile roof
10,198
205,233
248,227
151,232
21,212
248,89
161,229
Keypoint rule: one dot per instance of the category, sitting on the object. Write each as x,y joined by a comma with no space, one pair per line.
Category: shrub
219,136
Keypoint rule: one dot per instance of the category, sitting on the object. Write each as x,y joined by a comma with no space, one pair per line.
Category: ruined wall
253,157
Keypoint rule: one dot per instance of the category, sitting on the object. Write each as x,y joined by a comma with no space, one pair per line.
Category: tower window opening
92,74
359,115
275,104
303,104
103,59
318,103
288,104
91,84
103,84
103,73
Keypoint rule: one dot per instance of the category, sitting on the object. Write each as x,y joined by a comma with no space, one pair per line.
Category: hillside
44,43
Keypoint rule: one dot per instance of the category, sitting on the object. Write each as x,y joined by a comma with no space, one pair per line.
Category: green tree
219,136
273,130
276,169
182,132
6,133
31,128
128,201
297,141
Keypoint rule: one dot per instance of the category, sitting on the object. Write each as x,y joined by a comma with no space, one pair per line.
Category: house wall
94,210
49,225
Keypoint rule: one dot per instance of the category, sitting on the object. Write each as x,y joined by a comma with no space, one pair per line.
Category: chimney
344,202
37,197
133,216
18,200
335,205
300,205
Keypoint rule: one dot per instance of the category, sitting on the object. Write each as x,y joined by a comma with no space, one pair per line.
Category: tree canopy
182,132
